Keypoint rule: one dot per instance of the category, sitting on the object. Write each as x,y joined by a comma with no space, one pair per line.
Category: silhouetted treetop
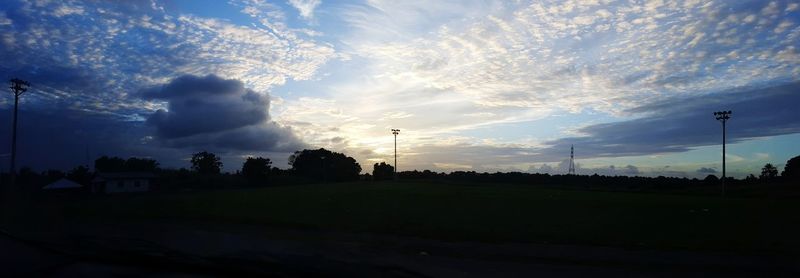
382,171
80,175
792,169
255,168
206,163
325,165
107,164
768,172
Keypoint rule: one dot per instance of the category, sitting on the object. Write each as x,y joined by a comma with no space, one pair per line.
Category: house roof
63,183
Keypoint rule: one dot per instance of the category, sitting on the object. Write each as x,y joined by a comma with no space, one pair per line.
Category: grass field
500,213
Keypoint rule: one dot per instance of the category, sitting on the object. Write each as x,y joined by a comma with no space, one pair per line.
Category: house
122,182
63,184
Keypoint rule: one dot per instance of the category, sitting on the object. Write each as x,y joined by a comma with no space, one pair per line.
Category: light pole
395,132
18,86
723,117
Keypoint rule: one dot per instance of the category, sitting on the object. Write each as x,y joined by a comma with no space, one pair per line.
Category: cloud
442,71
116,48
62,138
464,67
562,56
214,112
305,7
704,170
66,136
97,68
682,124
205,104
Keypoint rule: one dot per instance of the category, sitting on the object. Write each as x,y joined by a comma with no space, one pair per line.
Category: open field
500,213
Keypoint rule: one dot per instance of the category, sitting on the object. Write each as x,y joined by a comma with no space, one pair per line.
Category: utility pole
723,117
18,86
395,132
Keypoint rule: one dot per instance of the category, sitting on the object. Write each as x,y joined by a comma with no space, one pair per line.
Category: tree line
322,165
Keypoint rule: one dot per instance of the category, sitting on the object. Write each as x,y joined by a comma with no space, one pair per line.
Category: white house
122,182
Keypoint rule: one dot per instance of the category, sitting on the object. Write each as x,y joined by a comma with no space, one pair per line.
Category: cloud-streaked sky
473,85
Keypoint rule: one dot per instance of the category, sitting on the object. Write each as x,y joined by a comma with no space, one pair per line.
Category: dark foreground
344,230
179,251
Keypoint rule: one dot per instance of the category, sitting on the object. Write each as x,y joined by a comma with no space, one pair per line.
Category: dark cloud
267,137
198,105
212,112
64,138
704,170
204,113
337,140
679,125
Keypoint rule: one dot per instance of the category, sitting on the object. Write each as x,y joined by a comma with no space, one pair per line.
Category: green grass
501,213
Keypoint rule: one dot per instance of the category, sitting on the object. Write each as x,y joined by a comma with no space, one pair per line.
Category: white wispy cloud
305,7
127,47
516,62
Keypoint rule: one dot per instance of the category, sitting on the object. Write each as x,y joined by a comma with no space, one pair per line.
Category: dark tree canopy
325,165
769,172
382,171
792,170
134,164
80,175
206,163
711,179
256,168
107,164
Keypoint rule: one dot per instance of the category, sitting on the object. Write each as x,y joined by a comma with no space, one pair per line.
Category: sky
472,85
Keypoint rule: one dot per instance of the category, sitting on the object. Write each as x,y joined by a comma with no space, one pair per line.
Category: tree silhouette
206,163
80,175
792,169
751,179
711,179
325,165
769,172
106,164
256,168
141,164
382,171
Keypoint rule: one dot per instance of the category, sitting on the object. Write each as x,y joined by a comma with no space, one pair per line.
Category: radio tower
571,160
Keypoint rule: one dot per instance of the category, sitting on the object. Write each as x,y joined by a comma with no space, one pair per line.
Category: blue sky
473,85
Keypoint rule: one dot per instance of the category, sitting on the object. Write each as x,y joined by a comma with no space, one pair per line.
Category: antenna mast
571,160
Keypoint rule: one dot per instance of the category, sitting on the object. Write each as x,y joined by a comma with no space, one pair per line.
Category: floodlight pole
395,132
723,117
18,86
